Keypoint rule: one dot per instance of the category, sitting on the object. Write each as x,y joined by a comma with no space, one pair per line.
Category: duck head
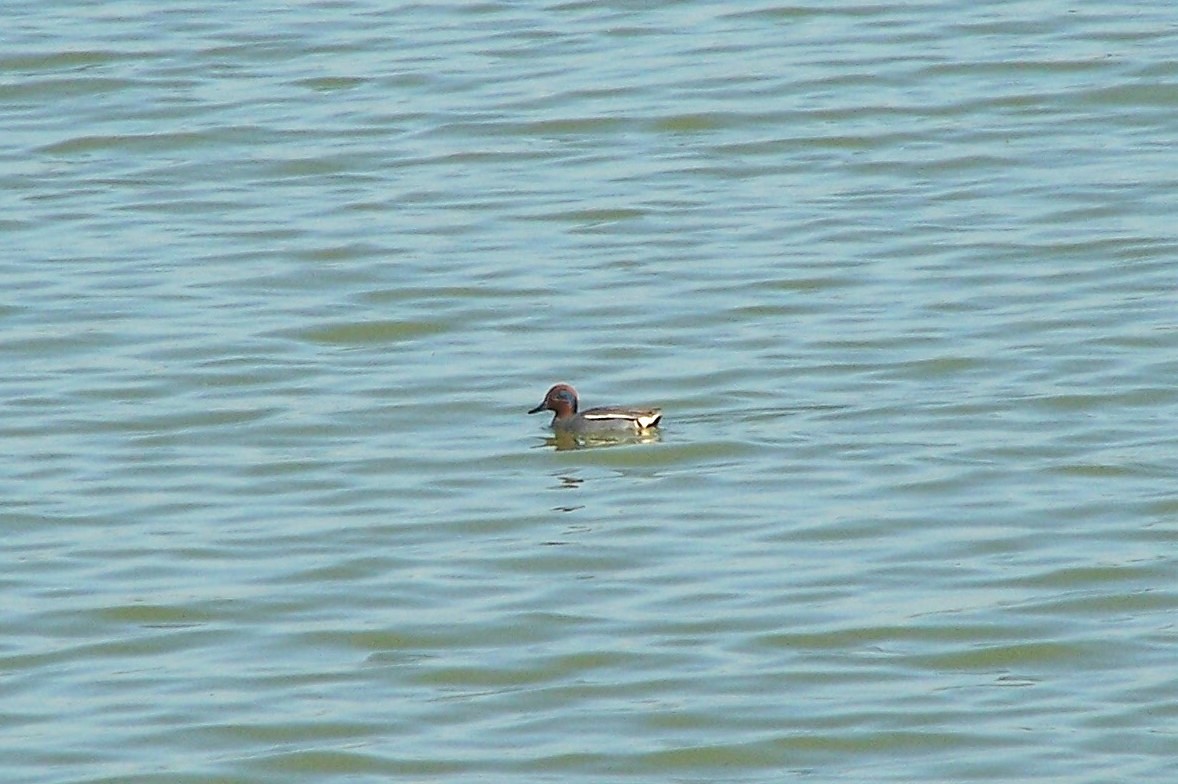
561,399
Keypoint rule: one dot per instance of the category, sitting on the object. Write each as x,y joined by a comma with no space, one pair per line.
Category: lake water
280,282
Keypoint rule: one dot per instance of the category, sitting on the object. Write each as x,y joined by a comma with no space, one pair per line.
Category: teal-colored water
280,283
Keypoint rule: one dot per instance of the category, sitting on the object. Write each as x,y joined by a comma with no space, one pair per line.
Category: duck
561,399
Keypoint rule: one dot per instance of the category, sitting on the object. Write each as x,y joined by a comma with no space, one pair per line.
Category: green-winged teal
605,420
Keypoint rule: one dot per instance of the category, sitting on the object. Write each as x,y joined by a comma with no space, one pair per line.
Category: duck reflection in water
562,440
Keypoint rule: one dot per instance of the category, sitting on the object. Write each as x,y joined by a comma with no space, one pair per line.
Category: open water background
280,280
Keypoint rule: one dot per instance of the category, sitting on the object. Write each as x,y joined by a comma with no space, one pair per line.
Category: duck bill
538,408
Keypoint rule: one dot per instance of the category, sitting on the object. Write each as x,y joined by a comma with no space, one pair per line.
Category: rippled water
281,281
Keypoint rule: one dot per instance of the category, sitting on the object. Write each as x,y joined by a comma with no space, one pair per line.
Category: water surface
281,282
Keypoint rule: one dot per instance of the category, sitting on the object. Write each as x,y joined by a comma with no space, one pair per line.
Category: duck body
604,420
